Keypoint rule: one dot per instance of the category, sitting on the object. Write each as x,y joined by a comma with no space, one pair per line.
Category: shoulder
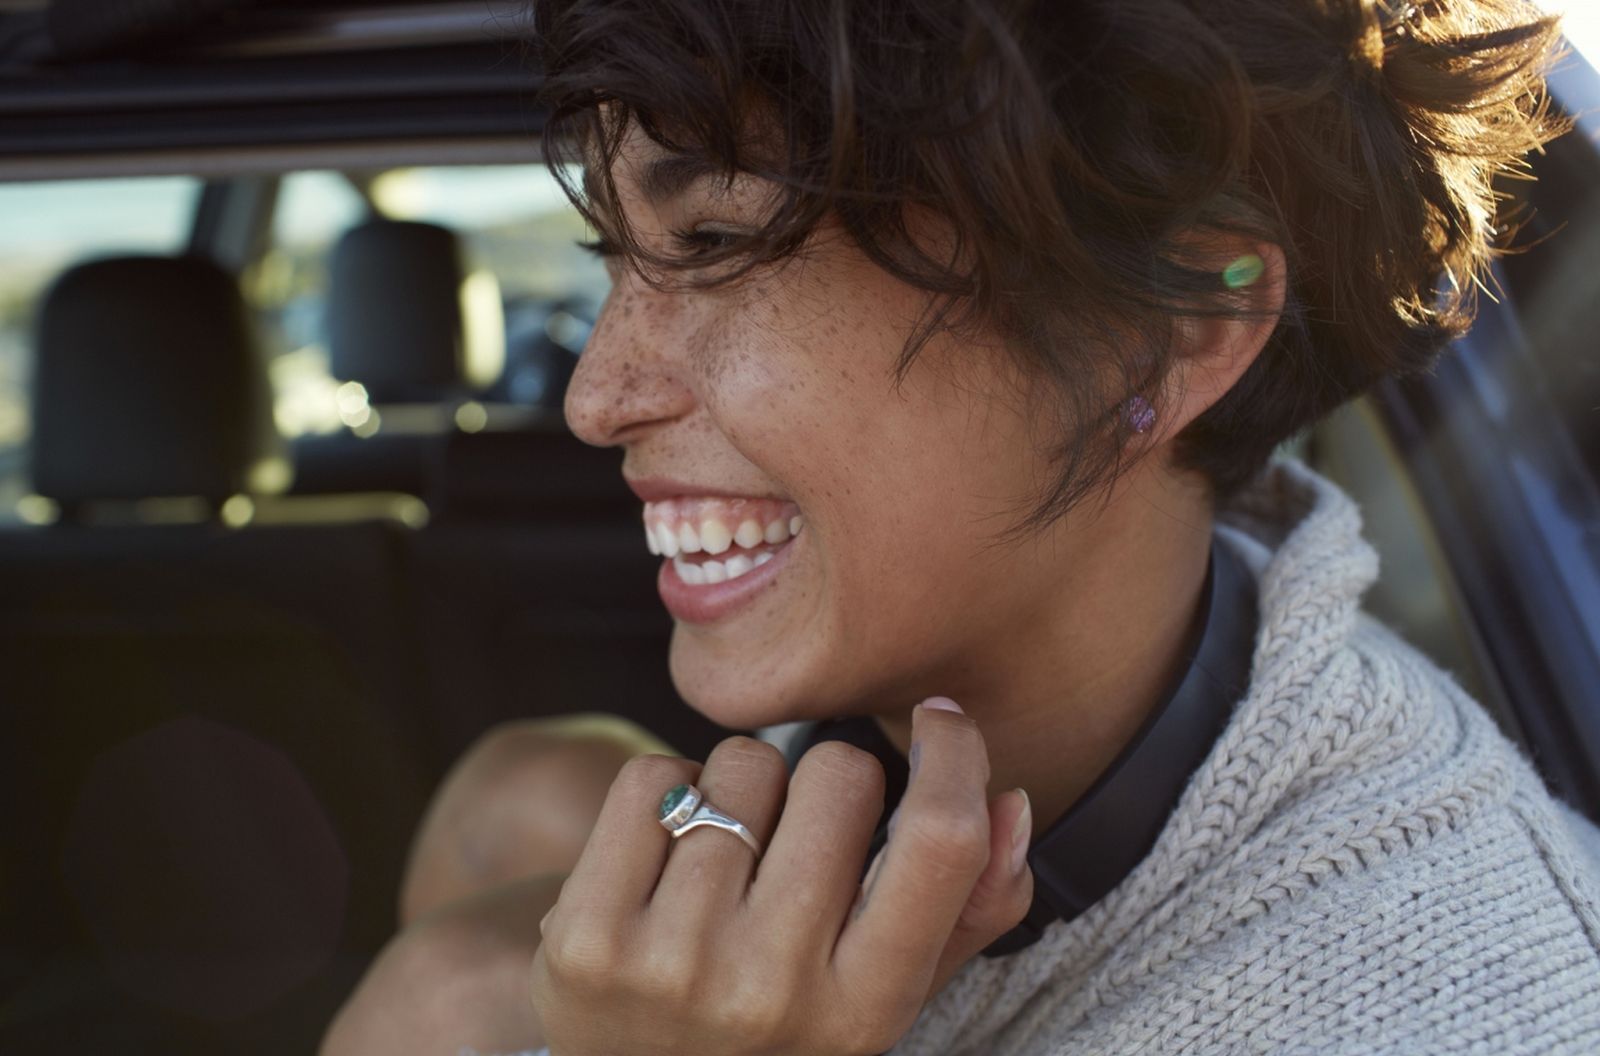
1364,854
1491,794
1383,870
1416,880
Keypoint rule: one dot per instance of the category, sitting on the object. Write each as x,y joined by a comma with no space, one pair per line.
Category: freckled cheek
772,402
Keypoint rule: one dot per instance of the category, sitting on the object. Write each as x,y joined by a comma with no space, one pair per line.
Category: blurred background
289,515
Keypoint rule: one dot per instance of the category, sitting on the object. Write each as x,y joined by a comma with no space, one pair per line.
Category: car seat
211,734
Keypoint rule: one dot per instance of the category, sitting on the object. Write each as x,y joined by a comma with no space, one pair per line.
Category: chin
734,692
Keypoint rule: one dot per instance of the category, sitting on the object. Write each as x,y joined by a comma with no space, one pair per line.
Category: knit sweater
1362,864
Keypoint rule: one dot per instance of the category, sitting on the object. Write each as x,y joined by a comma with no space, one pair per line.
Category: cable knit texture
1362,864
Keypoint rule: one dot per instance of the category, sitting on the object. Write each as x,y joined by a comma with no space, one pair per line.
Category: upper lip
655,489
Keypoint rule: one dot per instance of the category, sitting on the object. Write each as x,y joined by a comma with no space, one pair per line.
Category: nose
628,378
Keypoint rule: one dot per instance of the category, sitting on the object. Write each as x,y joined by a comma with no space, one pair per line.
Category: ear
1212,354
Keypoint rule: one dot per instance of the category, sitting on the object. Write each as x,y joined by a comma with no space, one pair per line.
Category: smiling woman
950,347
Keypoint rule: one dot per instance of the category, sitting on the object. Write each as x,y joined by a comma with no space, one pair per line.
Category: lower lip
709,602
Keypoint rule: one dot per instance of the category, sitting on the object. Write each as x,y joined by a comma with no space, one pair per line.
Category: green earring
1244,271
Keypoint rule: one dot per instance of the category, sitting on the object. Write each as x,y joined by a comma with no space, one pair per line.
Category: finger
864,889
627,849
708,870
1002,895
810,875
939,849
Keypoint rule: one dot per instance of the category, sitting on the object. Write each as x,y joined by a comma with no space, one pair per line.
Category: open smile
720,552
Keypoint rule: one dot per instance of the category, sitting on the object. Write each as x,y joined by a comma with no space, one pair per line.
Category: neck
1060,689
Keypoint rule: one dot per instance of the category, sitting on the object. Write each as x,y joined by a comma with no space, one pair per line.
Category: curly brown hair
1075,149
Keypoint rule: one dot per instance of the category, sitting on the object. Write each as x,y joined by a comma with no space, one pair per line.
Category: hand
705,951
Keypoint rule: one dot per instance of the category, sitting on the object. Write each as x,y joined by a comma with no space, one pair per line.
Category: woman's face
748,410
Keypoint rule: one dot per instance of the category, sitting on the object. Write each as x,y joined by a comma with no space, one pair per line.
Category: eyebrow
664,178
667,177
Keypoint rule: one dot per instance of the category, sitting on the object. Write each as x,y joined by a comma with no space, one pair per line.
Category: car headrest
148,383
394,311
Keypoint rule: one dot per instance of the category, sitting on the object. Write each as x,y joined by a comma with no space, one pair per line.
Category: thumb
1003,893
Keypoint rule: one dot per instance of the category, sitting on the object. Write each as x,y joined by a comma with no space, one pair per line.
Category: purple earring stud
1140,414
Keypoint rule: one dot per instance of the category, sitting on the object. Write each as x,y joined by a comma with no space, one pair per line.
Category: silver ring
684,808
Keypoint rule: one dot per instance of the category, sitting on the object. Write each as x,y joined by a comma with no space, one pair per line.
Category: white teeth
718,571
749,535
714,536
668,533
666,542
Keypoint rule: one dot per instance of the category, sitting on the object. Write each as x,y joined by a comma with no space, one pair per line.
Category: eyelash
702,240
598,246
693,241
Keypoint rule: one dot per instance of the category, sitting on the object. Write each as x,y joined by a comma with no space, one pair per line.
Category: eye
700,240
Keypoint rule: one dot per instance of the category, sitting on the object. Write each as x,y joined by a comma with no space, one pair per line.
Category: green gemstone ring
684,808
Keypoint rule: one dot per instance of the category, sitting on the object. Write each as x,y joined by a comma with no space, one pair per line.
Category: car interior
289,515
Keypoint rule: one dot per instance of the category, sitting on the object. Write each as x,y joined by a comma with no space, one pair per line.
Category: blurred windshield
527,279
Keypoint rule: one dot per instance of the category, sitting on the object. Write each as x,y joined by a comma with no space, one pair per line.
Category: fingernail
1021,834
943,704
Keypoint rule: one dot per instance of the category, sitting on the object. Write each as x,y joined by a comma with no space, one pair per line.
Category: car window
45,228
519,234
1555,292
